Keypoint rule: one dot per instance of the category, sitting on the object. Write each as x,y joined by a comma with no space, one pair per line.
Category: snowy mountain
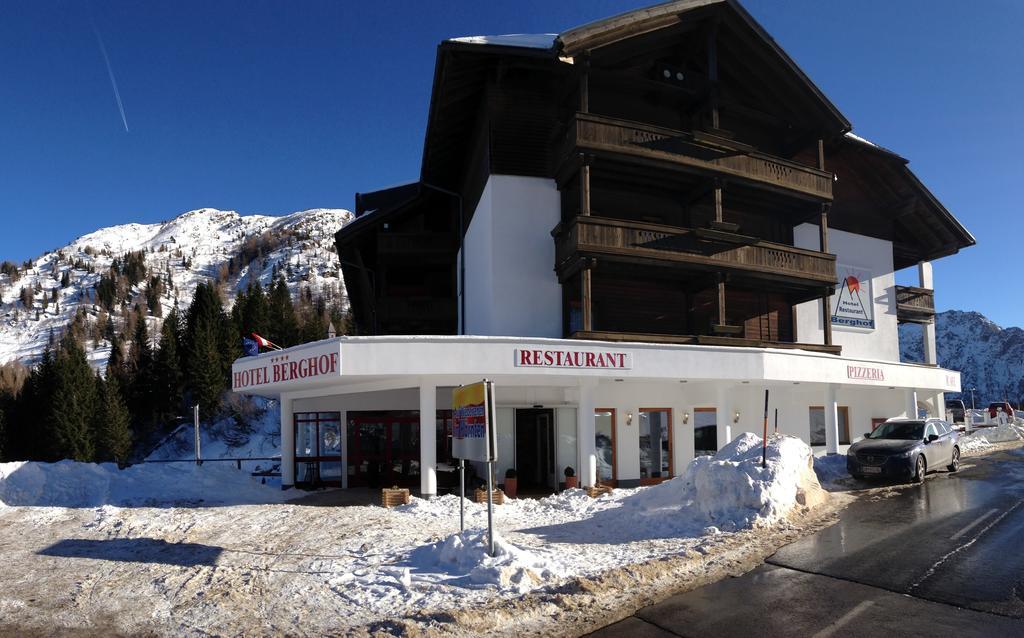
44,294
990,358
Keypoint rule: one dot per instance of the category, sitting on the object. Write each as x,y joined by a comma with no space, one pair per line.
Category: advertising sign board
472,429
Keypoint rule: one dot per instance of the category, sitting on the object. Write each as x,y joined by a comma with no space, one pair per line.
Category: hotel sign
574,359
852,304
307,364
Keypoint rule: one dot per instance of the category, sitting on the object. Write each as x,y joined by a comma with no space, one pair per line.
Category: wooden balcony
655,244
696,152
704,340
914,305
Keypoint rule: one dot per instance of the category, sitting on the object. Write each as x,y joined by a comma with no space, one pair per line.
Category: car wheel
920,468
955,462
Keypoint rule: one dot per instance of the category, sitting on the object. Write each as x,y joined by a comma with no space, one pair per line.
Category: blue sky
273,107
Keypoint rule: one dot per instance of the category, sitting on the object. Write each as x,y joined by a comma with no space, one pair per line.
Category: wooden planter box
390,497
598,490
480,496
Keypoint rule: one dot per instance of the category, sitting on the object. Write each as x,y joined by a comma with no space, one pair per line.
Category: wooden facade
686,147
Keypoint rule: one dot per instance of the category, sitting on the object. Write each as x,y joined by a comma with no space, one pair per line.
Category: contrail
110,72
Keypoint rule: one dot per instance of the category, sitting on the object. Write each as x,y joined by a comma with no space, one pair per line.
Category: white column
287,443
831,420
428,438
926,280
910,402
586,440
724,415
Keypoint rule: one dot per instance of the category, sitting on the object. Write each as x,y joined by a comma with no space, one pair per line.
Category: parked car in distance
995,406
956,412
905,449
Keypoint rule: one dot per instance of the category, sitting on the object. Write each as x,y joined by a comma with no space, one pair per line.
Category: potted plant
511,482
570,478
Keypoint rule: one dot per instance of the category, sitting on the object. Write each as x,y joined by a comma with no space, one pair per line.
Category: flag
265,343
250,347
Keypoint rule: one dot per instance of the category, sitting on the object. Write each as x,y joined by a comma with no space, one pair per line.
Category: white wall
875,256
511,287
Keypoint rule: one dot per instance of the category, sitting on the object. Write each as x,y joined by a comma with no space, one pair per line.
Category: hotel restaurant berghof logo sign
575,359
287,366
852,303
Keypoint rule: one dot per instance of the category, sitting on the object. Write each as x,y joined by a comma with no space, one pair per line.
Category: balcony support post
718,201
826,319
721,299
584,185
586,298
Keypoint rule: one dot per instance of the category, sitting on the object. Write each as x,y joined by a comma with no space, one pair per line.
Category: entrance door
604,442
318,448
535,450
383,449
655,445
705,431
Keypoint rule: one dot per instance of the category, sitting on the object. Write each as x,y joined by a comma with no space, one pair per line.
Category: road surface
942,558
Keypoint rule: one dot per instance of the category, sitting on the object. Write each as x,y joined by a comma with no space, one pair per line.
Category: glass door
384,449
655,445
318,458
604,440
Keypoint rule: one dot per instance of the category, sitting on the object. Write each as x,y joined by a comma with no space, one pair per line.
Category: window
655,444
930,430
705,431
818,425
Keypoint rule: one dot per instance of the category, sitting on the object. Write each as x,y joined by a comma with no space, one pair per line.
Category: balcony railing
914,305
697,152
624,240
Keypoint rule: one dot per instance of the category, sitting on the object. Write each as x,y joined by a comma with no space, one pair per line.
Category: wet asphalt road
945,558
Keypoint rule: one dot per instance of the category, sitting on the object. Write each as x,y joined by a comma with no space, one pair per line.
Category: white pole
199,454
462,495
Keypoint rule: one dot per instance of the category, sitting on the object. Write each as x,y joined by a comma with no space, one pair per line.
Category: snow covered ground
178,566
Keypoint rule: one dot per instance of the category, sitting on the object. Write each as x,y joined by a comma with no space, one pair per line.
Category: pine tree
112,428
283,326
167,377
204,340
70,417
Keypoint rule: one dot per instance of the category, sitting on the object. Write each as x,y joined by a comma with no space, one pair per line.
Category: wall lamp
686,417
629,418
736,417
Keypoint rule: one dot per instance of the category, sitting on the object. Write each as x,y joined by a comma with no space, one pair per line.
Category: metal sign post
462,495
199,453
492,455
764,440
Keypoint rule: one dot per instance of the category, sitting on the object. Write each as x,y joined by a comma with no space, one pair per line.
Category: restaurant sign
575,359
865,373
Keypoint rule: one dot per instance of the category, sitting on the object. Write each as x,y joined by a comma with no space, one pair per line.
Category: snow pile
731,490
465,555
74,484
985,437
830,468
